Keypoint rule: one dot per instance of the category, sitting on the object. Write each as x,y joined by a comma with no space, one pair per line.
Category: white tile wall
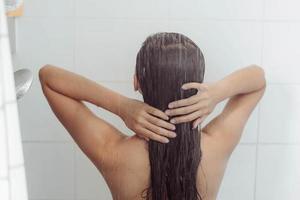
43,41
226,45
50,170
278,175
53,8
89,182
133,9
102,47
281,51
100,39
239,178
280,114
282,9
214,9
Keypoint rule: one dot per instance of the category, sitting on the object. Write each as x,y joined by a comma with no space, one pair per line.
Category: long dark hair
165,61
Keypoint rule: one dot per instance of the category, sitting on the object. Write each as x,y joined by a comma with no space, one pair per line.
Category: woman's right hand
146,121
195,108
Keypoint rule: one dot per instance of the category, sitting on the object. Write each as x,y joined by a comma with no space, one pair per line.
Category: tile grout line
278,143
16,166
4,35
74,68
74,173
8,102
46,141
282,83
3,178
168,19
259,106
256,153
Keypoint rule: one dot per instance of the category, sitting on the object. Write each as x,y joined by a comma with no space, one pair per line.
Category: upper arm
93,135
230,123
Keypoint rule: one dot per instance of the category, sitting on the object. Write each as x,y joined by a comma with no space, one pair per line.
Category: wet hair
164,63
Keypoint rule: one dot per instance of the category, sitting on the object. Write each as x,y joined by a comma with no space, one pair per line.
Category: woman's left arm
80,88
65,90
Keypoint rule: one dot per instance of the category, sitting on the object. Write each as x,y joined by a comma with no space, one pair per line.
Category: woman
168,158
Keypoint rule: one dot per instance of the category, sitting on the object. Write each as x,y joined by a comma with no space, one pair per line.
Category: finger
187,118
143,137
184,110
198,121
154,136
195,85
157,112
184,102
160,122
159,131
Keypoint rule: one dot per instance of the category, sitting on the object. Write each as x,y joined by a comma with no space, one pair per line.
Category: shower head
23,80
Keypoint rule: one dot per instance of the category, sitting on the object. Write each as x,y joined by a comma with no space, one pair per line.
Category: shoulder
227,127
126,151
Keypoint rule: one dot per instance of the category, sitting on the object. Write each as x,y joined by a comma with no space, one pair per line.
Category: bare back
127,170
129,173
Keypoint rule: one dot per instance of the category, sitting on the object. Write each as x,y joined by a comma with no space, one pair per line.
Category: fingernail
174,127
173,134
173,121
170,106
166,140
183,87
167,112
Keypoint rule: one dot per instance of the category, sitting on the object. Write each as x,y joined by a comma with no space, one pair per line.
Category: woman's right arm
244,88
242,81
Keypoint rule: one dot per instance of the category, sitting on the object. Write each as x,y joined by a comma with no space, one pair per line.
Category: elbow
44,74
261,74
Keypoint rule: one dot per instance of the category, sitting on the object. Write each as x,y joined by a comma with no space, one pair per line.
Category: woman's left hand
195,108
146,121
